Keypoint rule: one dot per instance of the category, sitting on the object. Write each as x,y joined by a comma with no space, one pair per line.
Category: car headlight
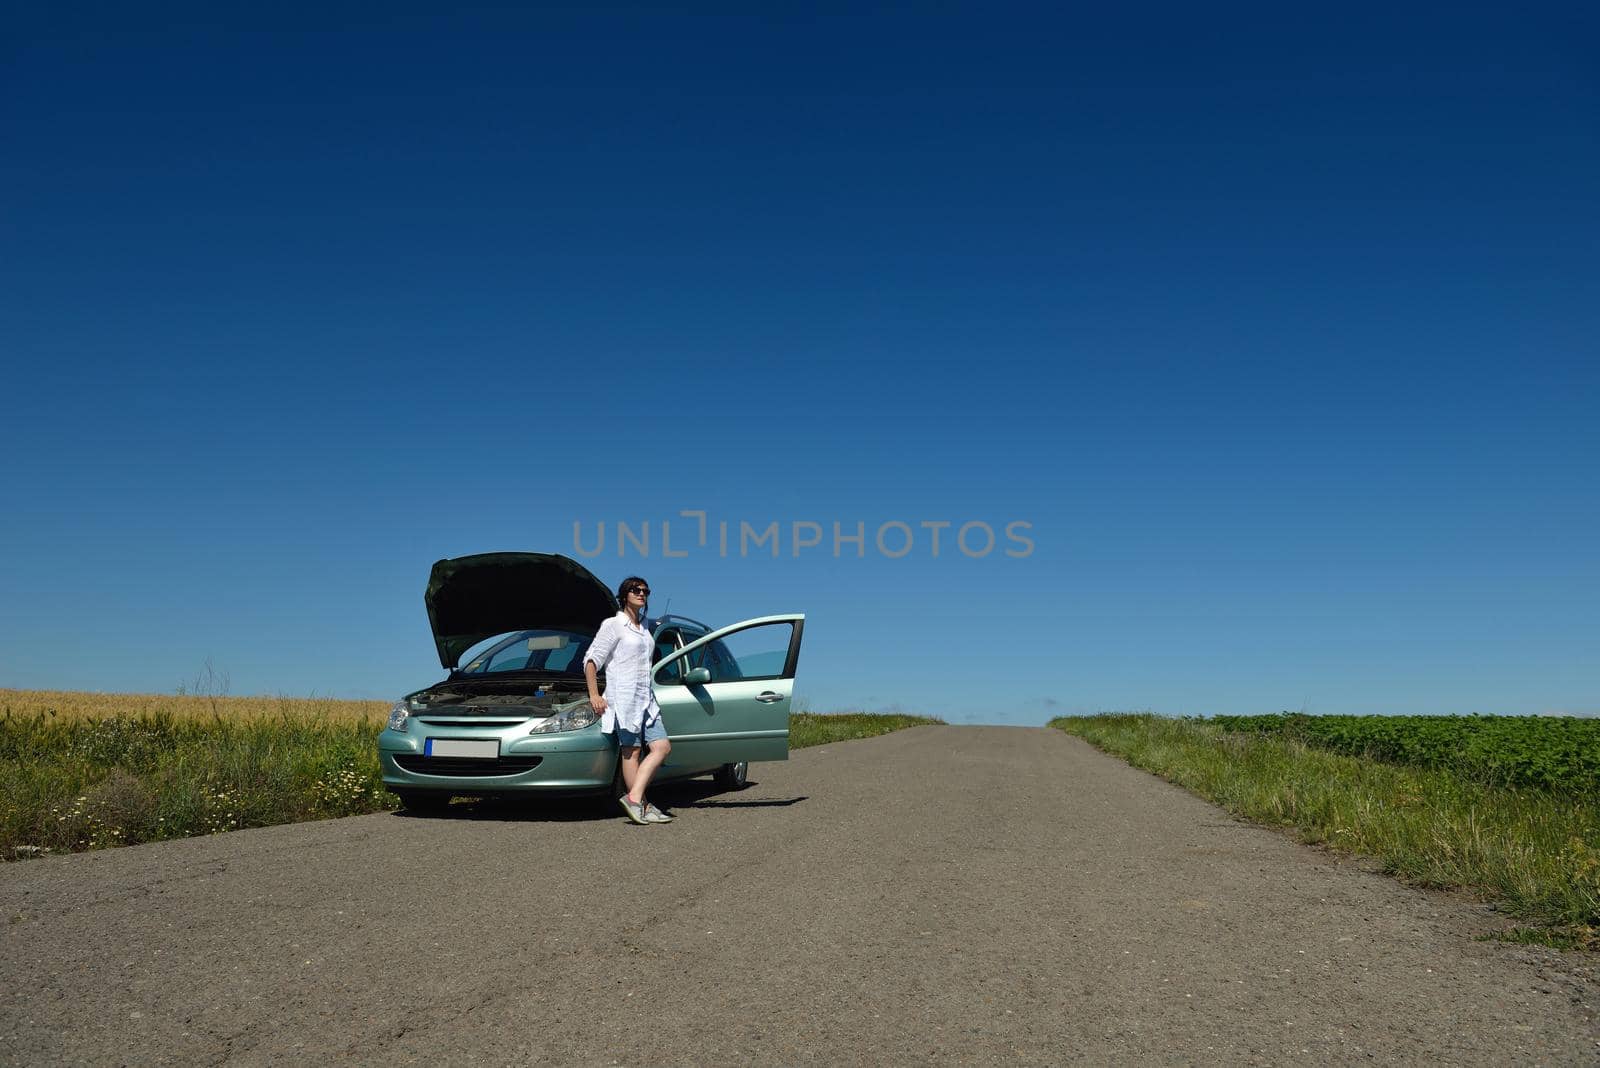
398,716
575,718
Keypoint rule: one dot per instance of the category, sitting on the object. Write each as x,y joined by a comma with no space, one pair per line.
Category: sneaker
635,812
655,815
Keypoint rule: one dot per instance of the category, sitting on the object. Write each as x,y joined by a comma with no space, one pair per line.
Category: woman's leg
630,766
640,781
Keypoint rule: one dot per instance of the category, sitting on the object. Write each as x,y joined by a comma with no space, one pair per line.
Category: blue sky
1276,328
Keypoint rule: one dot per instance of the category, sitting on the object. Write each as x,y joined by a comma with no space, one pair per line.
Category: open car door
725,697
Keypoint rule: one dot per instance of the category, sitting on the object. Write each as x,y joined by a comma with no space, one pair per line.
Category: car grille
466,767
474,721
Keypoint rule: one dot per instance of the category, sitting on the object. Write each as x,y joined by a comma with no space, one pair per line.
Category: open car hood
472,598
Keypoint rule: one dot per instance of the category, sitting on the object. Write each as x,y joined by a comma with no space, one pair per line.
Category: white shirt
622,649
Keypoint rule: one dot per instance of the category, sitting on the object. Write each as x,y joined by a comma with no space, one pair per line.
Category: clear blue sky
1279,328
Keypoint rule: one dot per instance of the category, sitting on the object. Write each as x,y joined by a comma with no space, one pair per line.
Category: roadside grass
814,728
73,784
1536,852
82,771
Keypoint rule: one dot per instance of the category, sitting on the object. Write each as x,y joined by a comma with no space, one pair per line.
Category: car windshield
558,652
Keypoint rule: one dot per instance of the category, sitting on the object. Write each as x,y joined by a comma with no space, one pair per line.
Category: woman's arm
605,640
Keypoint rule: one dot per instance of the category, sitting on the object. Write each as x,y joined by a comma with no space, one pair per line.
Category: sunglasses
642,591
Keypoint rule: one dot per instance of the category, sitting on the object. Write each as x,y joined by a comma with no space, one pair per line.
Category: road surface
959,895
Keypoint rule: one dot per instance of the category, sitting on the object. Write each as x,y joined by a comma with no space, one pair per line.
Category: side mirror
697,676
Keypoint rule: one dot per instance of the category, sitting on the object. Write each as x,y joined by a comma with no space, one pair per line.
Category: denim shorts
653,732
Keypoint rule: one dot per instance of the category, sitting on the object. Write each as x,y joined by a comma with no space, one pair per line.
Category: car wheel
733,776
423,802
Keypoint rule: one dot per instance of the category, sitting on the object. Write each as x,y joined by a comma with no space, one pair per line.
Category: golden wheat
72,705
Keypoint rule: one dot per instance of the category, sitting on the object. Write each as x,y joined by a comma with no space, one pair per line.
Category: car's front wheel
423,802
733,776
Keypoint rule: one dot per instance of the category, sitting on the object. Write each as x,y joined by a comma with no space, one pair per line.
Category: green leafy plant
1541,752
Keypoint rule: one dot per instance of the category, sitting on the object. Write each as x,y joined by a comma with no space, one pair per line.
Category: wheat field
68,706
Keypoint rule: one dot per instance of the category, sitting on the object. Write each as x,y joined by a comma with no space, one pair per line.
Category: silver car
513,715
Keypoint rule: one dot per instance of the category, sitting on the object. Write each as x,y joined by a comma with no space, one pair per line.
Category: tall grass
74,784
1536,851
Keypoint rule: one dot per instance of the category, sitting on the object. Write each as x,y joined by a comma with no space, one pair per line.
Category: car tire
423,802
733,776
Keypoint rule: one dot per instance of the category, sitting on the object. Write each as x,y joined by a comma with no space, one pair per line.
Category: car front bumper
581,761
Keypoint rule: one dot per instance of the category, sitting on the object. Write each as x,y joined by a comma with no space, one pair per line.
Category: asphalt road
944,894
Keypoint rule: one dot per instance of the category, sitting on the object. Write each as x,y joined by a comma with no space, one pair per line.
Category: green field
1544,752
88,771
1430,797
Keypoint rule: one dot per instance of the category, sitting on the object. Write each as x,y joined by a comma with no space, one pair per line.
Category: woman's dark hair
628,584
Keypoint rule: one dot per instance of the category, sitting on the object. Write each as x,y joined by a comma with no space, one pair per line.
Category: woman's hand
598,703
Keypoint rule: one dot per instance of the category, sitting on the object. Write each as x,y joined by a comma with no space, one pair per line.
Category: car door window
759,652
668,642
716,659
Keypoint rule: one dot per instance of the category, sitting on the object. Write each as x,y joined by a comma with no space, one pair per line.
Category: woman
623,648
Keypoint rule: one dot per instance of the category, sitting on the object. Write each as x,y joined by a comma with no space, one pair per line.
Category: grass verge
1536,852
73,784
76,774
812,728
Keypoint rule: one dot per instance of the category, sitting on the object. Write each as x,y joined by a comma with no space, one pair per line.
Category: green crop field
1545,752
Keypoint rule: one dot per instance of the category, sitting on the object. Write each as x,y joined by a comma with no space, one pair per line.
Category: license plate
461,747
